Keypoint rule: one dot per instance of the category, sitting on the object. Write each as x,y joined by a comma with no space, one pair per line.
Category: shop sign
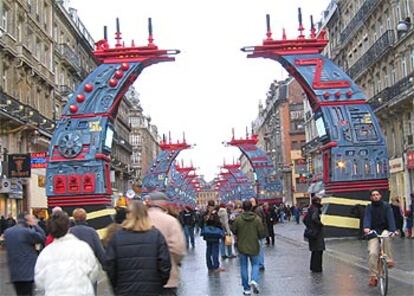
5,185
410,160
38,160
16,189
396,165
19,166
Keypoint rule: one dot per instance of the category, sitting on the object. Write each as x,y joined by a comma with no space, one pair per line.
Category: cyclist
379,217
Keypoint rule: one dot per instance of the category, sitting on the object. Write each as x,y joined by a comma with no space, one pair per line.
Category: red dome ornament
80,98
119,74
113,82
124,66
73,108
88,87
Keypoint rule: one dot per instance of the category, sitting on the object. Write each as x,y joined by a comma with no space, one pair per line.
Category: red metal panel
59,184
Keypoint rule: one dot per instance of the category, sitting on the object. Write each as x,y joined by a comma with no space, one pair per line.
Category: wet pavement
287,269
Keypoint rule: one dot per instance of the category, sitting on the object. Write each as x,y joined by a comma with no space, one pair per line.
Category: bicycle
382,269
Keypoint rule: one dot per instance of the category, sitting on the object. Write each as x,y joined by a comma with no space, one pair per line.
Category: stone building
280,127
144,139
373,41
45,52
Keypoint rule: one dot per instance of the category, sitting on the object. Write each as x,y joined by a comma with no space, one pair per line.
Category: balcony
373,54
24,114
63,90
70,57
363,13
388,94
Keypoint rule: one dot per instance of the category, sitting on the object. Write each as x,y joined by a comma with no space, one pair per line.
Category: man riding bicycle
379,217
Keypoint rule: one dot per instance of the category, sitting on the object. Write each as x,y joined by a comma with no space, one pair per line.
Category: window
412,60
4,77
407,7
38,49
404,71
19,29
5,18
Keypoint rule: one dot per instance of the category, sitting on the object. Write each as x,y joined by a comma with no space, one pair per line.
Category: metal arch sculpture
352,145
239,185
157,176
267,186
78,172
180,188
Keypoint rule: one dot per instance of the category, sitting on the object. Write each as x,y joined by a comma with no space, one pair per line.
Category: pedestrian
67,266
296,213
211,218
3,225
10,222
270,218
379,217
188,220
42,224
314,228
226,250
249,230
173,233
288,212
138,261
49,237
120,216
198,221
21,241
398,216
258,209
410,215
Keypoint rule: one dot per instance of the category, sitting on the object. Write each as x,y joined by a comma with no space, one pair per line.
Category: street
287,269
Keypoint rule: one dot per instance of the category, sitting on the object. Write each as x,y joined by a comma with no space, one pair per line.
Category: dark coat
398,217
21,253
260,212
88,234
387,216
317,244
138,263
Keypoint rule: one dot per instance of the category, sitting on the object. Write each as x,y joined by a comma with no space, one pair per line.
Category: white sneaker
255,287
247,292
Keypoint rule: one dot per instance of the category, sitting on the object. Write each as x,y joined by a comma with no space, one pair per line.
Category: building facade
373,41
144,140
45,52
281,131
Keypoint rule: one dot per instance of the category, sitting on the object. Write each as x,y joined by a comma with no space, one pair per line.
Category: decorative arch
78,172
267,185
351,143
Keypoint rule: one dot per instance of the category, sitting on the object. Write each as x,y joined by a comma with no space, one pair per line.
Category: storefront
397,179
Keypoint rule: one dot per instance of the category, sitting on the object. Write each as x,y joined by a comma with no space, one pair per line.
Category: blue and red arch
352,145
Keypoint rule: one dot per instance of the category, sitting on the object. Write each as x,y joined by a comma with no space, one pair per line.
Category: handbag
212,232
310,234
228,240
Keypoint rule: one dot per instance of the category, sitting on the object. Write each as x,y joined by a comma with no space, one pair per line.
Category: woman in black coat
317,242
138,260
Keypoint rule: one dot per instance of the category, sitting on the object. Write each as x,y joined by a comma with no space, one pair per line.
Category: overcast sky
211,87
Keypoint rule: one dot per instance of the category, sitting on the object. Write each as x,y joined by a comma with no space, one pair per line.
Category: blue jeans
224,248
212,254
261,254
189,235
244,269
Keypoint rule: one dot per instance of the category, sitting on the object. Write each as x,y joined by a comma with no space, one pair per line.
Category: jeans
261,254
225,250
189,235
244,269
212,255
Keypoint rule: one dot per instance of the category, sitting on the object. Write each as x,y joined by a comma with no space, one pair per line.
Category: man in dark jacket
313,223
379,217
258,209
249,230
21,252
87,234
188,220
10,222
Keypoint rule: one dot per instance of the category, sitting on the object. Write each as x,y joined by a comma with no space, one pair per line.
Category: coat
89,235
317,244
388,214
138,263
260,212
66,267
174,235
21,254
249,229
224,220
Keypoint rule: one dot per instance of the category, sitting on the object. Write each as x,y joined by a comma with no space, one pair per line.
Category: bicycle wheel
383,276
